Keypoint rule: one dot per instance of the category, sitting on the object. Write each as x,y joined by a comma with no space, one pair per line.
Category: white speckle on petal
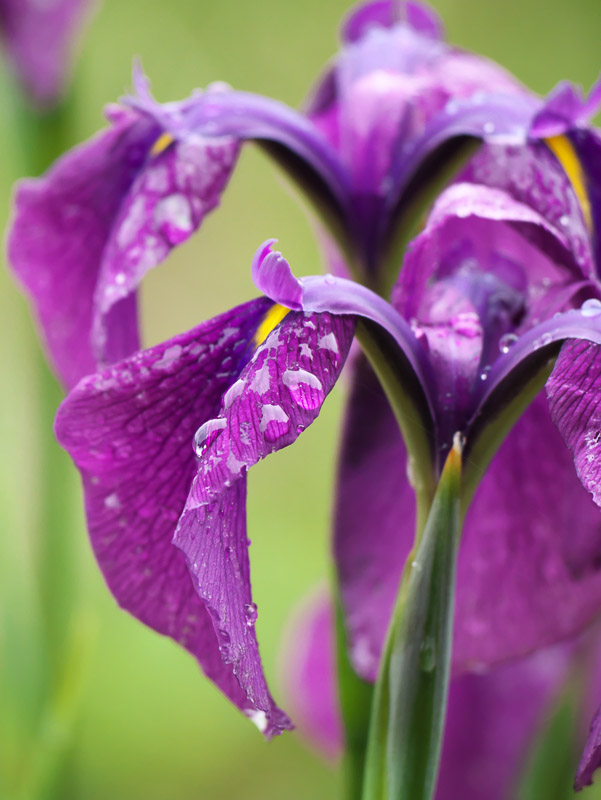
328,342
112,501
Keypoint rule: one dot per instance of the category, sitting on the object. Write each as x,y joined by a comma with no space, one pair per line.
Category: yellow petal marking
272,318
564,151
161,144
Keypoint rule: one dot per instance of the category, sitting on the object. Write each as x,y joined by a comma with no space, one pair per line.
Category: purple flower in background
502,282
37,38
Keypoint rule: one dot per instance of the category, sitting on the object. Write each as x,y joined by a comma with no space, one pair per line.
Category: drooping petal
574,392
278,394
591,757
528,572
374,518
37,37
61,224
130,431
523,582
166,203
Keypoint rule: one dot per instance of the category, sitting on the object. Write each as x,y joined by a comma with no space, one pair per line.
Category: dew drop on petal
305,388
206,434
173,218
275,423
484,373
427,654
251,614
507,341
233,392
591,307
330,279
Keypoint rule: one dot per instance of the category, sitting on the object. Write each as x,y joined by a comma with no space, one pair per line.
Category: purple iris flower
502,281
37,37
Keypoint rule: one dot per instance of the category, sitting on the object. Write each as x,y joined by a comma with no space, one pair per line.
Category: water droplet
330,279
233,392
275,423
120,278
564,220
484,373
173,218
251,614
507,341
591,307
427,654
305,388
488,127
206,435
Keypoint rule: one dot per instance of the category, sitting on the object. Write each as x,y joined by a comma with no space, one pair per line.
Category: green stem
409,705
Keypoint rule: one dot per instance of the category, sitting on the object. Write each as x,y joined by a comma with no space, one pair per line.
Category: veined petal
61,224
166,203
130,431
278,394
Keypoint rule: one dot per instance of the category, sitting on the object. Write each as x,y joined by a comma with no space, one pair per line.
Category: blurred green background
150,726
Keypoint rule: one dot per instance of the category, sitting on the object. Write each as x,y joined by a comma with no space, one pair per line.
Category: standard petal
61,224
130,429
564,109
278,394
386,14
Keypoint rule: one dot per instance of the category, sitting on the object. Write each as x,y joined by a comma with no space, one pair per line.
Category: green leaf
411,693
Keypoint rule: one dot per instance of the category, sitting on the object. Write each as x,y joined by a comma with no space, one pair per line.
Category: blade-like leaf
411,693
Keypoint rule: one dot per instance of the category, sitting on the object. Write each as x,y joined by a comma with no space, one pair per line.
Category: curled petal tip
273,276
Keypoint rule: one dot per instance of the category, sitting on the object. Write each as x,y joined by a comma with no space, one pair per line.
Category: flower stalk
408,711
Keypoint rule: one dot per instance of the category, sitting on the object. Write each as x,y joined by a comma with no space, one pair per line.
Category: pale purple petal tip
273,276
386,13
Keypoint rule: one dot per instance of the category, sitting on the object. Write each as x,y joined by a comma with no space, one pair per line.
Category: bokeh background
148,724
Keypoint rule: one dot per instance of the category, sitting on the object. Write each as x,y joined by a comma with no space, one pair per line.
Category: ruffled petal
278,394
61,224
130,430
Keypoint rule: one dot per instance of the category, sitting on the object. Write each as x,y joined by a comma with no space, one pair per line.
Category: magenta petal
61,224
374,519
591,757
278,394
165,205
574,399
386,13
530,552
130,429
309,674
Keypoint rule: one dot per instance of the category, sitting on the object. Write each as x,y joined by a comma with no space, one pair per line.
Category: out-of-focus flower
37,37
504,272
